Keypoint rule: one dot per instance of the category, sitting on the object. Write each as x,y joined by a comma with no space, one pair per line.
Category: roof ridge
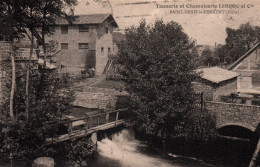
231,67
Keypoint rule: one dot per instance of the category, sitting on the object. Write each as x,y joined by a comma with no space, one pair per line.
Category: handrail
95,115
88,121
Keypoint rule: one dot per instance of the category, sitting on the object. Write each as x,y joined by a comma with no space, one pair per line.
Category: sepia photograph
129,83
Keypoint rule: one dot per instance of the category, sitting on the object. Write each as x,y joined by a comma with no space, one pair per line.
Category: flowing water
123,150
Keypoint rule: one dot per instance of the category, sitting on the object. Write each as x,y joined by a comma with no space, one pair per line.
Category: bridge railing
91,121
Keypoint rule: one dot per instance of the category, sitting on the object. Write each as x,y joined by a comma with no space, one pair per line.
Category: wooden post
70,128
117,113
87,123
255,155
107,118
202,101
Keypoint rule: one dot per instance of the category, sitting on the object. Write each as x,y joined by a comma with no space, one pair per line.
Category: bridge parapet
247,116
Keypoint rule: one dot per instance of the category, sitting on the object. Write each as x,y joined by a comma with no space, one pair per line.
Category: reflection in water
125,151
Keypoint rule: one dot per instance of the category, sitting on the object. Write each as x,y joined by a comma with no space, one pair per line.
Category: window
64,46
64,29
102,49
83,45
106,30
109,50
83,28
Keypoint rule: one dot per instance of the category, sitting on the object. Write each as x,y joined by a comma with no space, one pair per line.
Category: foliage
200,126
79,151
238,42
208,58
157,67
196,60
51,97
11,25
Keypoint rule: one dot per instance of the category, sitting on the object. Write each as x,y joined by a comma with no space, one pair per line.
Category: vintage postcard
129,83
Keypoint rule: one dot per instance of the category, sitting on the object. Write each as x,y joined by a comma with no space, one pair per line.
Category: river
123,150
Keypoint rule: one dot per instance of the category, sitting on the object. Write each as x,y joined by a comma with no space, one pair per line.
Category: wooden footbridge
90,124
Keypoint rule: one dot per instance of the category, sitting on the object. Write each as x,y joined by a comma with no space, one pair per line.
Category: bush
200,126
79,151
50,99
88,73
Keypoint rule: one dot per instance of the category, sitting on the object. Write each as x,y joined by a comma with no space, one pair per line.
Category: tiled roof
88,19
216,74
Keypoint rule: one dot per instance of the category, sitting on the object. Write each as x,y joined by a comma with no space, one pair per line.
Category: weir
123,149
88,125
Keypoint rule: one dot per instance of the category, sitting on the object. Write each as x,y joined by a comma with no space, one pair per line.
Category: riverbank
220,152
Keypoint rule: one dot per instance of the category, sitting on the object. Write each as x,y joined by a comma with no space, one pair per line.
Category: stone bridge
226,114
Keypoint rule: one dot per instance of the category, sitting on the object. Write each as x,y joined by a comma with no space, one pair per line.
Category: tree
50,99
208,58
220,52
156,64
34,13
240,40
50,10
195,57
11,27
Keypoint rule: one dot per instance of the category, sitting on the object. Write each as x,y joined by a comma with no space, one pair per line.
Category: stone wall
94,100
205,87
213,91
225,88
5,71
6,68
247,116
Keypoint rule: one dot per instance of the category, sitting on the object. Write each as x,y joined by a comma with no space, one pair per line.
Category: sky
207,28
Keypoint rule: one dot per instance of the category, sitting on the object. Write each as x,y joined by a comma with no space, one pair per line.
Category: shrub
50,99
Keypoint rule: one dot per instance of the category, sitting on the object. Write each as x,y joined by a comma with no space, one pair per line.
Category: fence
96,120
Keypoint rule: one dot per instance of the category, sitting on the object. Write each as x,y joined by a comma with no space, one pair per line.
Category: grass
110,84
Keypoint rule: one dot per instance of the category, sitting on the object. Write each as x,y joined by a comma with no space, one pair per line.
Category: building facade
86,43
248,67
215,82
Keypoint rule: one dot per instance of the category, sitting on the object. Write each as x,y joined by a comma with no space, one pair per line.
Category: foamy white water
125,151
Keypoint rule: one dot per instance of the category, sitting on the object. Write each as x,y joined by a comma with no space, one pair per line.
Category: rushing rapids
123,150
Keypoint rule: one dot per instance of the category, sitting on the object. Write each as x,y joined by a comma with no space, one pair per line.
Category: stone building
85,43
215,82
248,68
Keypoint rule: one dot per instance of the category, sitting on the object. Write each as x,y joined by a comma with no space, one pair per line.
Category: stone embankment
89,96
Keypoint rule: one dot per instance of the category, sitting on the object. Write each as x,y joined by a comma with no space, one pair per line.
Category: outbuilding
215,82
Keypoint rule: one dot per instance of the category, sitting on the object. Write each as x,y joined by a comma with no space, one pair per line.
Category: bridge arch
246,126
237,130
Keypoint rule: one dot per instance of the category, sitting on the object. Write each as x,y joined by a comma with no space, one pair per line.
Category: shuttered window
64,46
83,45
64,29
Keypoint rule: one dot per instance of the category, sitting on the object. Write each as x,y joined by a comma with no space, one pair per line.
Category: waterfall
124,148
